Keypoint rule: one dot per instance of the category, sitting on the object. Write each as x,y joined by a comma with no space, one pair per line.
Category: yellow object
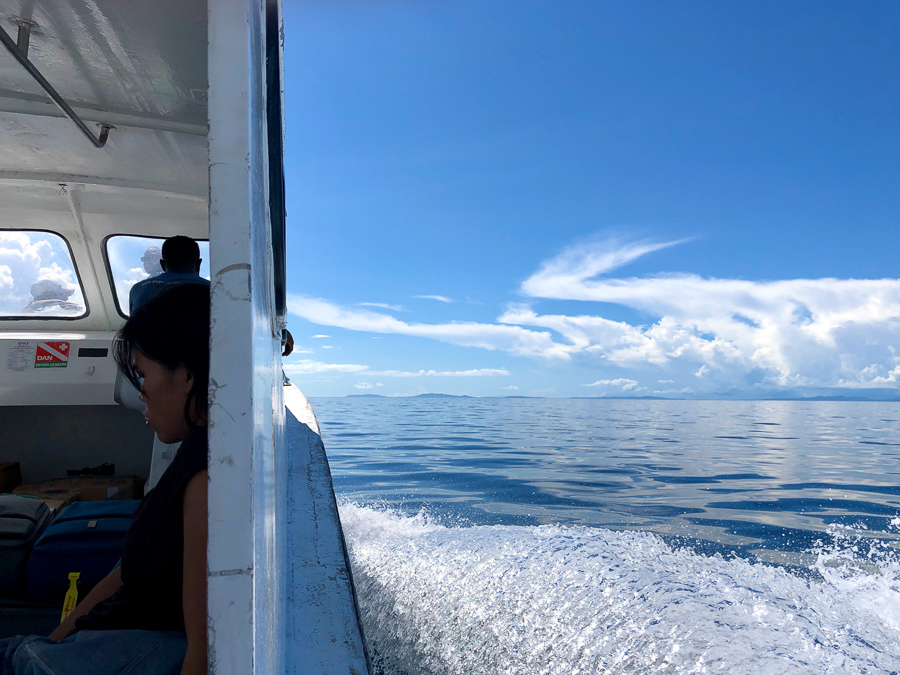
71,595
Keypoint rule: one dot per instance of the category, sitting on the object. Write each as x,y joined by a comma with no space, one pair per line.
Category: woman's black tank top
150,597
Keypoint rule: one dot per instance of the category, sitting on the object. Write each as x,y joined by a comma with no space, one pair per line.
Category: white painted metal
323,631
84,381
246,407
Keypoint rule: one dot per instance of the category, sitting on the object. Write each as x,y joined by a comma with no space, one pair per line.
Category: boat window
38,278
132,259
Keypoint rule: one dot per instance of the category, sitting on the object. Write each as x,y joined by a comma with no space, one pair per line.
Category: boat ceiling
139,66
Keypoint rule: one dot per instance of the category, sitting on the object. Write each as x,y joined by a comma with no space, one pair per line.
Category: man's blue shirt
147,289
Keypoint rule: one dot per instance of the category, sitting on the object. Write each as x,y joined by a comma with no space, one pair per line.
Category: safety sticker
51,355
20,356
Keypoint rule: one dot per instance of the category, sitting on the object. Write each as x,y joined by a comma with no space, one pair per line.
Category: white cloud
513,339
319,337
439,298
729,332
795,332
362,385
382,305
477,372
512,387
565,274
306,367
29,257
624,383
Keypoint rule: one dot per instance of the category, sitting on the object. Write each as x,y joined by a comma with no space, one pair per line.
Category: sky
599,198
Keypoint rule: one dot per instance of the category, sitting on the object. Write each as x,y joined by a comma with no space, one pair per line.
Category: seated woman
149,614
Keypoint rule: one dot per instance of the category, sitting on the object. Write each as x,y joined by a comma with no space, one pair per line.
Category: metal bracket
23,39
19,49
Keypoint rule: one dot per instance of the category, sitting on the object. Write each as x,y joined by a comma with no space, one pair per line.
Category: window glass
37,277
133,259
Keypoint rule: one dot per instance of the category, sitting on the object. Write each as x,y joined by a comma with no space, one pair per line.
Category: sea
515,535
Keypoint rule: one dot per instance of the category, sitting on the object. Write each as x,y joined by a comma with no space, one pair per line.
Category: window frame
37,316
109,272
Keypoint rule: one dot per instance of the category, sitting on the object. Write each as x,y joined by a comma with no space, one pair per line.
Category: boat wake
509,600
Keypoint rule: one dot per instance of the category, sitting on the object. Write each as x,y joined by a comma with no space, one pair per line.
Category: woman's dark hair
171,329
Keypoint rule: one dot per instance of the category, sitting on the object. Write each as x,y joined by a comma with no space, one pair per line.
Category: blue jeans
102,652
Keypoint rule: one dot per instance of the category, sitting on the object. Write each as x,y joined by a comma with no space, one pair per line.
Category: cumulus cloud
795,332
512,339
622,382
512,387
362,385
29,257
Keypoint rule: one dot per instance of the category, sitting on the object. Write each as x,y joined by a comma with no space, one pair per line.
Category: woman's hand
103,590
194,589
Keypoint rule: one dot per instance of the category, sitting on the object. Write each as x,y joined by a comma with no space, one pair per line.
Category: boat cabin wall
47,441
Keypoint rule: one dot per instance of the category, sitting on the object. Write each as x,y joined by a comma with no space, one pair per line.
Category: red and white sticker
51,355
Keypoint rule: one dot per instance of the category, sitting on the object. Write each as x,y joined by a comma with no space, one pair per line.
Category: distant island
876,395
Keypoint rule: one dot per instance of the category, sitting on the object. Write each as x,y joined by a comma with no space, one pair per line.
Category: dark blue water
548,535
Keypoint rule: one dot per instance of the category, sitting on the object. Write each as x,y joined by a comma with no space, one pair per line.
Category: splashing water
549,599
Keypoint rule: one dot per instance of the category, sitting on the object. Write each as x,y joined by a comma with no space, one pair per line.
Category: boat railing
322,626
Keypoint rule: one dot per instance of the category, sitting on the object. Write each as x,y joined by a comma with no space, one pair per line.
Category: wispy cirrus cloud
308,367
383,305
439,298
475,372
512,339
565,275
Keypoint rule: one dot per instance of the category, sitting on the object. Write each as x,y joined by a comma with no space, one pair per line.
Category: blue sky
566,198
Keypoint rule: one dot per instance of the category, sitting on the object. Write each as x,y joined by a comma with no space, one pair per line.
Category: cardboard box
10,476
88,488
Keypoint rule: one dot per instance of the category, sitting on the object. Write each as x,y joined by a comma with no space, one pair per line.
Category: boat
122,124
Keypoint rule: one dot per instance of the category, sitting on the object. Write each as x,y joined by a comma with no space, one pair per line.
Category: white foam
510,600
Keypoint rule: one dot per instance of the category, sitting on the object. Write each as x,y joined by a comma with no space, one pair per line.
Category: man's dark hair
171,329
181,254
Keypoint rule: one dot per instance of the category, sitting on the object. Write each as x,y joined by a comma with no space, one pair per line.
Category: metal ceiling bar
13,49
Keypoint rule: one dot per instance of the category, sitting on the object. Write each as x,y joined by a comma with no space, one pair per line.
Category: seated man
180,264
